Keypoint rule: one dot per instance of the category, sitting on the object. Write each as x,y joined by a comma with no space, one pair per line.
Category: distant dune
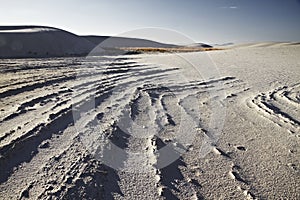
37,41
41,41
265,44
201,45
119,42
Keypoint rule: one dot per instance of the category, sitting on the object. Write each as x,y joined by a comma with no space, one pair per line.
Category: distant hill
199,45
39,41
43,41
224,44
118,42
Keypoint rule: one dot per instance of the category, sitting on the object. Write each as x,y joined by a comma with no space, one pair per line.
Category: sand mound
266,44
40,41
118,42
22,42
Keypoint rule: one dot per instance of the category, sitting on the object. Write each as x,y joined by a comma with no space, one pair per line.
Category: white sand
244,102
46,42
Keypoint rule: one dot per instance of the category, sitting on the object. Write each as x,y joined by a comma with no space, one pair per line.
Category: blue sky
210,21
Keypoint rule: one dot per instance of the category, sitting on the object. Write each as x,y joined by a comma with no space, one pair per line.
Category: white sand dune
136,126
266,44
199,45
22,42
118,42
39,41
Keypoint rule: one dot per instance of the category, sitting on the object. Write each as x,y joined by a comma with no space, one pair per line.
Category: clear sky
210,21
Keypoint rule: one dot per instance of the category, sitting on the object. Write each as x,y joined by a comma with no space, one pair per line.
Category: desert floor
204,125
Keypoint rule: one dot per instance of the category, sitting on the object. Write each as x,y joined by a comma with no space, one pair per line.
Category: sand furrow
279,108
